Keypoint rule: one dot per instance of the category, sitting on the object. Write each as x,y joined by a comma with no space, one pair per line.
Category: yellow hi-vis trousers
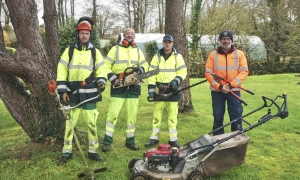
172,109
90,117
115,106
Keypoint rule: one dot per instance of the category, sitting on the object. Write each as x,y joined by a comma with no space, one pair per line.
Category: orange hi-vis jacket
231,66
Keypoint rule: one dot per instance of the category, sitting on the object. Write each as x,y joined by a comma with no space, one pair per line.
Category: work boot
106,147
95,157
151,142
174,144
133,147
64,158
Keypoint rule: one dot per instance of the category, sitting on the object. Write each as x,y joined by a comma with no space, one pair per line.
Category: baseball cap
168,37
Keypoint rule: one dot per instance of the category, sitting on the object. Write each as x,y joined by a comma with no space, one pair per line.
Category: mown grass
273,151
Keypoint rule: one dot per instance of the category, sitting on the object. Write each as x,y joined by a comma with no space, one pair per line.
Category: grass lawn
273,151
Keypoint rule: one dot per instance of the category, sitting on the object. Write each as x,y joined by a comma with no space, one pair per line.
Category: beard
226,47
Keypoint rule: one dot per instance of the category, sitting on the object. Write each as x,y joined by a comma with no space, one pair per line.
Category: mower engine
163,158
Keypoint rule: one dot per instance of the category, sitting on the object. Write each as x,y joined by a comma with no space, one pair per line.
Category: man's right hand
64,99
117,82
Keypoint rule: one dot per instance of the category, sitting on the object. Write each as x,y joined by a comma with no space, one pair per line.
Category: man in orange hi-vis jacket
229,63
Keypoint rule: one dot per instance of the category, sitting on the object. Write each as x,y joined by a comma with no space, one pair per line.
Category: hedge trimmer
162,92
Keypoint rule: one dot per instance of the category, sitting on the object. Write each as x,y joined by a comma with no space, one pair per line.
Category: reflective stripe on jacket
231,66
118,59
168,69
172,68
71,74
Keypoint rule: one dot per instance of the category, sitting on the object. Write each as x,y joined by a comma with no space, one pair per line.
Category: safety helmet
85,23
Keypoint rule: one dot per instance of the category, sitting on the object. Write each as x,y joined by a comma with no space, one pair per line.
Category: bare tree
135,12
126,4
94,11
66,12
61,16
35,113
106,19
174,25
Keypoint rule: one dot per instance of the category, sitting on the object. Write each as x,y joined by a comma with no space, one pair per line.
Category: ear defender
125,43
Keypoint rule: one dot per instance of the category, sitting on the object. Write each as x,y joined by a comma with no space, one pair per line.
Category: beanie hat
226,34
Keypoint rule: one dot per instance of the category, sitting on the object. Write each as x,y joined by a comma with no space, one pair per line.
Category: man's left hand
225,89
101,87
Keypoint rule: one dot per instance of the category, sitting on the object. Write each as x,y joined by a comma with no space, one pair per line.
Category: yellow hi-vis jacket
71,73
172,68
231,66
118,59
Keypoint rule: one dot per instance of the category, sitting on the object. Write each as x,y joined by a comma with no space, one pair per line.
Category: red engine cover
162,149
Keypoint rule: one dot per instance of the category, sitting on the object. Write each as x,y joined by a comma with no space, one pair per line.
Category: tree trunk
35,113
51,34
72,8
174,25
94,14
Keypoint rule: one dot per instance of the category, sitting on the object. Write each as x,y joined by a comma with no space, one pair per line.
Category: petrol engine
163,158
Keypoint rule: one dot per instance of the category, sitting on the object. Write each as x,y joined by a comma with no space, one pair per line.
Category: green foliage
273,150
8,29
10,50
67,35
272,67
151,49
194,27
10,39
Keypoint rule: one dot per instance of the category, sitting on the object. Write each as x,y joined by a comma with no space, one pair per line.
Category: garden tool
89,173
162,93
207,155
130,76
218,79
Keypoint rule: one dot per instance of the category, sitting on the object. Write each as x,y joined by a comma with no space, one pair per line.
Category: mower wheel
132,162
139,176
197,175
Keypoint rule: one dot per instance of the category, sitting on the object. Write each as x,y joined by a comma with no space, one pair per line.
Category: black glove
173,86
101,86
112,78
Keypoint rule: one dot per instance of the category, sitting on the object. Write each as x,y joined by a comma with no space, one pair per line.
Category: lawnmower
205,156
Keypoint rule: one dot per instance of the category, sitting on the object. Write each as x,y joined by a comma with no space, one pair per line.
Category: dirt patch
24,151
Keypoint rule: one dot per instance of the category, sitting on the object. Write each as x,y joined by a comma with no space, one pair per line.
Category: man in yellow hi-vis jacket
124,55
172,71
81,74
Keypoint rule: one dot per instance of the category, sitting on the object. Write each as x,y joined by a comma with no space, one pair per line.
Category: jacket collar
220,51
87,47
